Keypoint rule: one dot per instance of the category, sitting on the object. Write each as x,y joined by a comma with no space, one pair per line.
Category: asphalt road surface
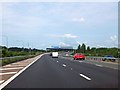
50,72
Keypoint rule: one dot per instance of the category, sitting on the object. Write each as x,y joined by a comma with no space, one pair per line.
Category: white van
55,54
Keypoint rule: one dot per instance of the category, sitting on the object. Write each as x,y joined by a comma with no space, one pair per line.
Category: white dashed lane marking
64,65
2,81
9,65
98,65
57,61
80,61
85,77
10,68
8,73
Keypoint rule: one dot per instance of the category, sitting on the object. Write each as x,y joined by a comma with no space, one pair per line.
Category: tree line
16,51
103,51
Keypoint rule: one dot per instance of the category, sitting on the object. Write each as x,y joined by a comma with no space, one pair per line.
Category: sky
45,24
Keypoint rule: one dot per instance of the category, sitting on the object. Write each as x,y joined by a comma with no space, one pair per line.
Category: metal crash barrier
102,58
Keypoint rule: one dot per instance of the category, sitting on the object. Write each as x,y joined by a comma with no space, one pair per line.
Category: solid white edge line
85,77
13,77
10,68
8,73
2,81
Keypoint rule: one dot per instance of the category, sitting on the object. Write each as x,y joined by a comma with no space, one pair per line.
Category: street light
29,48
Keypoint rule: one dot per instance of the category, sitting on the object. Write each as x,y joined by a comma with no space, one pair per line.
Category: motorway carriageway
48,72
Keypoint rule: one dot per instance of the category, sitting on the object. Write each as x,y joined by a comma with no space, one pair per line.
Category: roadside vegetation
97,51
14,54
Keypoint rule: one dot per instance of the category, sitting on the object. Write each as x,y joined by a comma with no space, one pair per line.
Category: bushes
14,54
97,51
15,51
16,59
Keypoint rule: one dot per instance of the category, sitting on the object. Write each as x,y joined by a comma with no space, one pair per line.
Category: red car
79,56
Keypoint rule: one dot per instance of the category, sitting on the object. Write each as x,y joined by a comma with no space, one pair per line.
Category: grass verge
16,59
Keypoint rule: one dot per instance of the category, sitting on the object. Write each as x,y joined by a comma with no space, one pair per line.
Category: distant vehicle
79,56
55,54
109,57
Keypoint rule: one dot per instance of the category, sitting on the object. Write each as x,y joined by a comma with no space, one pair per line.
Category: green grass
12,60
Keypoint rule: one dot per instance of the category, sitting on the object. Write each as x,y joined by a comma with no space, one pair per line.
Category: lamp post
29,48
23,45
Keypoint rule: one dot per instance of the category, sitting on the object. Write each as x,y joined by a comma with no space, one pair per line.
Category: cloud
63,36
66,13
69,36
113,40
18,21
78,19
100,46
32,20
11,1
59,0
62,44
15,18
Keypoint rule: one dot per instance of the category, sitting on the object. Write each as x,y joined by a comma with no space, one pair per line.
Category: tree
79,48
4,52
93,50
88,48
83,48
